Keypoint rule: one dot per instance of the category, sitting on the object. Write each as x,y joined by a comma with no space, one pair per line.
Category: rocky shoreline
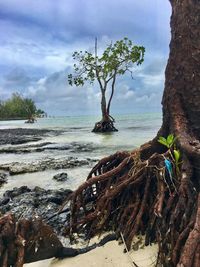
48,146
18,136
12,141
15,168
3,178
25,201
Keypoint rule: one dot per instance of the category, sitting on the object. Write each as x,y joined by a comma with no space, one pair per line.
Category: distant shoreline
17,119
12,119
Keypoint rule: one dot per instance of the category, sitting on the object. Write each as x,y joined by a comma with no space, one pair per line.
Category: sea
133,130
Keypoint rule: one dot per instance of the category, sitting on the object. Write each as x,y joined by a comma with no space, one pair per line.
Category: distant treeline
18,107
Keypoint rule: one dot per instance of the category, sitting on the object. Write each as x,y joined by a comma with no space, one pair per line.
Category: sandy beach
110,255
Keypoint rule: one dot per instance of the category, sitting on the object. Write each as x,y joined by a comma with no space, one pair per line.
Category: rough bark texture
134,193
181,100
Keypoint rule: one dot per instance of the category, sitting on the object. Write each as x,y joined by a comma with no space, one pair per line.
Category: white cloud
39,37
123,92
4,93
53,94
152,80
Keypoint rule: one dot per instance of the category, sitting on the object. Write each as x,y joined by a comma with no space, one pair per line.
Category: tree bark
181,99
103,106
112,93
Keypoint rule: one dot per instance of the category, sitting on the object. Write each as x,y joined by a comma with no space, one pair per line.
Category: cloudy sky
38,37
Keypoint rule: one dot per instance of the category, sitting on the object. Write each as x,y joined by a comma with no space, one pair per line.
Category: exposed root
104,126
190,251
133,196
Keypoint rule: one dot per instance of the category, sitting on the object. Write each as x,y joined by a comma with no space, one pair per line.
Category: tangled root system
133,196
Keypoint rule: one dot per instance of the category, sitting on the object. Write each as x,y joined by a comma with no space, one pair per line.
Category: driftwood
26,241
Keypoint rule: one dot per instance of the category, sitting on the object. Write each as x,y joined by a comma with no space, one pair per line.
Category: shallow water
45,179
134,130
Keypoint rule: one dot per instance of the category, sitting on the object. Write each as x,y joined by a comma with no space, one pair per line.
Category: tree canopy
116,59
18,107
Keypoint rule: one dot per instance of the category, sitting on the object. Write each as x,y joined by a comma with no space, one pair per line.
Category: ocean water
134,130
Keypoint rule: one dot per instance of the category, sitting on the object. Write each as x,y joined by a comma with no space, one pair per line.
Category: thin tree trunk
106,124
103,106
112,93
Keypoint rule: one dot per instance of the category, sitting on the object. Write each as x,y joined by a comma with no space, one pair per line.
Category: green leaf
170,139
163,141
177,155
117,58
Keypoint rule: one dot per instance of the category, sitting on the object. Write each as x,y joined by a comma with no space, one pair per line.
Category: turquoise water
134,130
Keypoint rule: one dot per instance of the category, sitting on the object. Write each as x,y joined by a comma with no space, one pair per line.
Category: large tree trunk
182,86
134,192
181,99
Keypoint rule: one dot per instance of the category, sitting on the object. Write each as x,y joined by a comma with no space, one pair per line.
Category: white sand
110,255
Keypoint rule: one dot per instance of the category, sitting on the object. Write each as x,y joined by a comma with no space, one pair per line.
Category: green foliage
116,59
168,142
40,113
17,107
177,155
163,141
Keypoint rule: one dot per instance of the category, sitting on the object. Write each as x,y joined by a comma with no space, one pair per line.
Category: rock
22,135
73,147
61,177
24,140
25,203
83,147
39,147
4,201
45,164
3,178
17,191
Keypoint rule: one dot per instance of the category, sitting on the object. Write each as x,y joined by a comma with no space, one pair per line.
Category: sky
37,39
